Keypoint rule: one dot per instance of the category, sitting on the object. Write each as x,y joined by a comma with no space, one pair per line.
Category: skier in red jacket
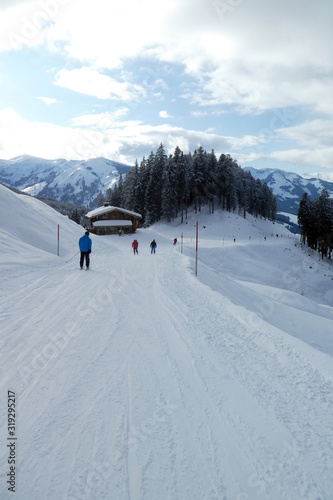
135,245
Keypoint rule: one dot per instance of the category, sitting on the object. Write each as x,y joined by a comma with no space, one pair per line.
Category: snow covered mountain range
289,187
74,181
80,181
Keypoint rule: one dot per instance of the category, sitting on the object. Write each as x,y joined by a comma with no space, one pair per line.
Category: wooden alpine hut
112,220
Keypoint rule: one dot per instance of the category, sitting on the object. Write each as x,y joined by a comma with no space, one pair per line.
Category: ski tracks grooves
268,381
163,396
200,431
235,377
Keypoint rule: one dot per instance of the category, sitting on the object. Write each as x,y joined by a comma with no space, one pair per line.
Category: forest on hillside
315,218
162,187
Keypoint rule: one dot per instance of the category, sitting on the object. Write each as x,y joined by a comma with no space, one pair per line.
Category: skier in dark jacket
153,246
85,245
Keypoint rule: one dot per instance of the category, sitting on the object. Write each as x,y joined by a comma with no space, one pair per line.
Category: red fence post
58,242
196,248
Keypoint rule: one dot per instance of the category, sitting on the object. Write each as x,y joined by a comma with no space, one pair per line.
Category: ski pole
72,257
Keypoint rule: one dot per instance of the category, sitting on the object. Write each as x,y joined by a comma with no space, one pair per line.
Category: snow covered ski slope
140,381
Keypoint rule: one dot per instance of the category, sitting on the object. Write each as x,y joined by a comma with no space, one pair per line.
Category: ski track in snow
136,381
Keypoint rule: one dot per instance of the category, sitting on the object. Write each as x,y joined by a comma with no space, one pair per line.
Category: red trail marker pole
181,243
196,248
58,242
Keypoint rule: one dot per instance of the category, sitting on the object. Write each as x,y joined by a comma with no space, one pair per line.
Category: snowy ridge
73,181
138,380
289,187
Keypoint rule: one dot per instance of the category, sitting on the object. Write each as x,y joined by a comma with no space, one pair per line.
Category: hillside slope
138,380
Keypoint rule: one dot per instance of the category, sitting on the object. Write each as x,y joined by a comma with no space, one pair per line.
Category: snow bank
27,222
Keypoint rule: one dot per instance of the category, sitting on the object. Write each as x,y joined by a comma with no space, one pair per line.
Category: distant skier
153,246
175,241
135,245
85,245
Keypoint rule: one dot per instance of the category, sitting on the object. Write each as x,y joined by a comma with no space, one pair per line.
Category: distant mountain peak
73,181
289,187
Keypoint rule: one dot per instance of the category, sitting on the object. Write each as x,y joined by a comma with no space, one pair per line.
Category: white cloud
47,100
107,32
104,135
91,82
320,175
198,114
5,4
20,136
249,54
229,55
107,135
164,114
316,133
27,22
321,157
101,120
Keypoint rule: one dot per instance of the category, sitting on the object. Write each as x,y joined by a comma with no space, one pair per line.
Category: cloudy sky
115,78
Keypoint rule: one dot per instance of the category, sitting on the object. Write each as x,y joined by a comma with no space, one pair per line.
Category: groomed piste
139,380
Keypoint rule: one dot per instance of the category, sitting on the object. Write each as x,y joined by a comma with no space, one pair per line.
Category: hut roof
104,210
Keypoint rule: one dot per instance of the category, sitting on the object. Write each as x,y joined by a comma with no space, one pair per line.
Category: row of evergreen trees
162,187
315,218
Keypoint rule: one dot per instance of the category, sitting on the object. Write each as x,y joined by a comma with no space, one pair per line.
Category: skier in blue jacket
85,245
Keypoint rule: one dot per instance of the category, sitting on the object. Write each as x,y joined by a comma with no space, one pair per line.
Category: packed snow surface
138,380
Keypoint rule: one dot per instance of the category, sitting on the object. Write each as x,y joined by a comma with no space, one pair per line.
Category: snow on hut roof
104,210
110,223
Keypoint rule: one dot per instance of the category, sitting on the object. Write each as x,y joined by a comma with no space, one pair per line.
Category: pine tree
265,197
231,193
179,163
324,214
221,180
198,176
159,164
257,198
273,206
243,192
120,191
115,198
324,218
225,179
169,191
303,216
143,178
75,216
100,199
130,189
182,163
315,219
108,195
150,198
211,176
